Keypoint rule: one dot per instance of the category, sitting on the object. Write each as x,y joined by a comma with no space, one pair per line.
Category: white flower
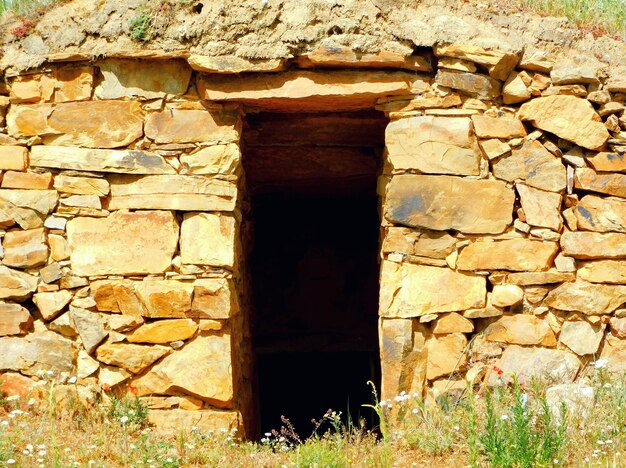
124,419
504,417
524,400
555,461
10,461
72,379
4,423
600,363
132,446
29,447
194,428
13,398
31,402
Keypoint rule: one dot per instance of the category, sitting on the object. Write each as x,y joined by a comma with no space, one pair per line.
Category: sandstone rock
222,160
211,379
515,89
311,90
539,277
163,331
433,244
124,243
446,354
509,254
51,273
608,162
346,57
540,208
445,202
81,185
138,78
590,245
64,325
529,364
85,365
173,421
618,326
213,299
191,126
453,322
81,201
95,124
520,329
28,207
14,319
499,63
570,73
176,192
50,304
27,121
73,84
565,264
233,64
414,290
578,398
26,180
432,145
123,323
110,376
595,213
533,164
614,352
500,127
456,64
16,285
582,337
569,117
610,184
13,158
506,295
26,88
476,84
587,298
604,271
494,148
59,248
208,239
90,327
40,351
132,357
25,249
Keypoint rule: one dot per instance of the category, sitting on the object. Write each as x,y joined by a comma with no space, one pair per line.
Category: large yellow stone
601,214
610,184
521,329
510,254
26,180
73,84
176,421
50,304
193,125
28,120
25,249
588,298
498,127
124,243
233,64
409,290
346,57
542,209
208,239
604,271
482,86
608,162
499,63
132,357
446,202
582,337
219,160
446,354
14,319
81,185
614,351
28,208
453,322
13,158
163,331
569,117
15,284
590,245
423,243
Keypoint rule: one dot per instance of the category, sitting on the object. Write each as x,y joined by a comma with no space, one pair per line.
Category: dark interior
313,263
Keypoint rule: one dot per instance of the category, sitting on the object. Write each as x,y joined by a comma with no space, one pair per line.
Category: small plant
141,25
128,411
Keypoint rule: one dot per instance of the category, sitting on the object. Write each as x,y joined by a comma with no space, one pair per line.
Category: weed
128,411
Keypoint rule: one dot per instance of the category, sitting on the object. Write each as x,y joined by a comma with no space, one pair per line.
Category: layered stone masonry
504,219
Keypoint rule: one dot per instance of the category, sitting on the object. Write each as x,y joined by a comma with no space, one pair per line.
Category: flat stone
28,120
173,421
541,208
312,90
193,126
539,277
64,325
39,351
571,118
498,127
28,208
614,352
509,254
452,322
506,295
446,354
59,248
211,380
25,249
82,201
73,84
433,244
16,285
208,239
124,243
346,57
50,304
456,64
177,192
587,298
14,319
409,290
13,158
608,162
499,63
590,245
610,184
533,164
51,273
570,73
132,357
90,327
81,185
494,148
520,329
481,86
515,90
163,331
99,160
26,88
141,78
26,180
601,214
529,364
85,365
604,271
110,376
123,323
582,337
432,145
445,202
233,64
218,160
95,124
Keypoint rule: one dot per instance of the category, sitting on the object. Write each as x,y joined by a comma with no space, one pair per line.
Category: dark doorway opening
313,263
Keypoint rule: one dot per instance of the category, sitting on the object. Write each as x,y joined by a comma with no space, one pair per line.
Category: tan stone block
446,354
515,90
582,337
173,421
163,331
109,376
499,63
208,239
15,284
13,158
506,295
571,118
191,126
210,325
142,78
14,319
567,72
50,304
26,180
95,124
433,244
59,248
84,159
132,357
604,271
521,329
123,323
213,160
90,327
445,202
587,298
346,57
541,208
414,290
51,273
233,64
81,185
618,327
456,64
610,184
432,145
28,120
539,277
595,213
476,84
124,243
566,90
185,193
590,245
509,254
452,322
26,88
73,84
214,299
38,351
28,207
608,162
494,148
533,164
25,249
498,127
614,351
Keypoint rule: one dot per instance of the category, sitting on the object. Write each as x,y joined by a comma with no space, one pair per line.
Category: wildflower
31,402
124,419
50,372
41,453
555,461
132,389
4,423
13,398
600,363
10,461
600,442
72,380
504,417
26,452
133,446
29,447
497,370
524,400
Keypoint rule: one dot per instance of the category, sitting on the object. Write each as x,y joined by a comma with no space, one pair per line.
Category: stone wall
504,222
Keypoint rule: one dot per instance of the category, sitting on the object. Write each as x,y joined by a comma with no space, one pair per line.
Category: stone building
232,232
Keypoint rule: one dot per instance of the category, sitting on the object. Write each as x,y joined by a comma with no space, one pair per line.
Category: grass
501,427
